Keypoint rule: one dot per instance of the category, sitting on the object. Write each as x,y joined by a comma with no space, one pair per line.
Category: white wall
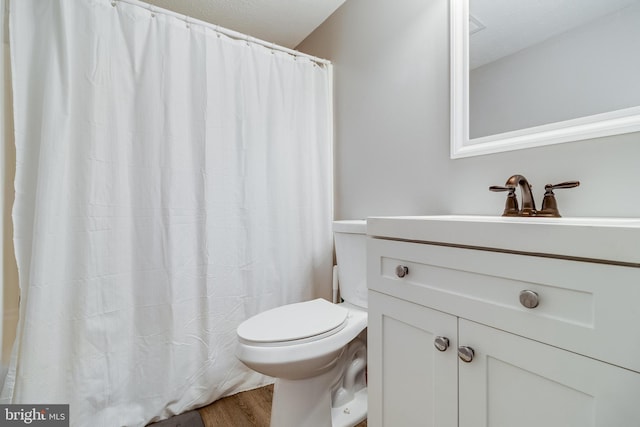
391,70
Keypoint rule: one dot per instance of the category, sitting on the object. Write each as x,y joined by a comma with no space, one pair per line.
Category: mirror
537,72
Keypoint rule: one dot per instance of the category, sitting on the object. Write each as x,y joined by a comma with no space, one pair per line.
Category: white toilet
317,350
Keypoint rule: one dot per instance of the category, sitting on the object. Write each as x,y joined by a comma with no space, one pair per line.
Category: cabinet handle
402,270
465,354
529,299
441,343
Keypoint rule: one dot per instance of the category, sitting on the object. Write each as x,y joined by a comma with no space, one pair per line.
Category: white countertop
615,240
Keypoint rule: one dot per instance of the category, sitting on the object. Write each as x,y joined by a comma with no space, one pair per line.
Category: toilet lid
293,322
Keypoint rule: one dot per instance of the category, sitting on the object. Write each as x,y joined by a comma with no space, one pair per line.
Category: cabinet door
411,383
514,381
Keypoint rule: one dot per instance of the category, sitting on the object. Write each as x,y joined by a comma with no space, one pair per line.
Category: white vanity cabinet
572,360
413,384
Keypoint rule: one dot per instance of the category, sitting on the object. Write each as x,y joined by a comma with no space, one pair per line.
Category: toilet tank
351,256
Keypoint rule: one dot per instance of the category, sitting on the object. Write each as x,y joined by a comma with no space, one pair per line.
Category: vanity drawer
589,308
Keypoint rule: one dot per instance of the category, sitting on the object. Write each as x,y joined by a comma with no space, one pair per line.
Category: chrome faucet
549,206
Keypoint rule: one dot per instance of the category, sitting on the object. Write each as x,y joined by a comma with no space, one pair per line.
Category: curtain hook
186,21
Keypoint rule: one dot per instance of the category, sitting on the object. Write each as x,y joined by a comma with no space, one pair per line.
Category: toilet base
308,403
351,413
302,402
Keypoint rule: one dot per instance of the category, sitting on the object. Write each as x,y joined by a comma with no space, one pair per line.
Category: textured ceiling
283,22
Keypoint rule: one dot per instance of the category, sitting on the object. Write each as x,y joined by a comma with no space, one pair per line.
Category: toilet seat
299,322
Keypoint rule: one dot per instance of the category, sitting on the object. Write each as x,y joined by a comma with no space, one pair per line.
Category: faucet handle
511,205
566,184
509,188
549,205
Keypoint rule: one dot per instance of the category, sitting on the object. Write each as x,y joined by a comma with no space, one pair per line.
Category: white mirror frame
599,125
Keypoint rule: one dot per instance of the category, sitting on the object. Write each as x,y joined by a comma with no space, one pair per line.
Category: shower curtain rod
227,32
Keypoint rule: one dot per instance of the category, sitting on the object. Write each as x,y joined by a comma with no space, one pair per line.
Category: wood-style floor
248,409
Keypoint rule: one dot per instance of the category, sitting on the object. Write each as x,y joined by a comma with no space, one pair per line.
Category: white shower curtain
171,182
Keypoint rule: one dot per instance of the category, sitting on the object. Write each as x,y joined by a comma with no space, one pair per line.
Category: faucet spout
528,204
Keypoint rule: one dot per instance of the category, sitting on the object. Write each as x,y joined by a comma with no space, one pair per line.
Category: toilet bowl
316,350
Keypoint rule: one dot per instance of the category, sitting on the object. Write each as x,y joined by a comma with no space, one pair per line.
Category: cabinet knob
402,270
441,343
465,354
529,299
